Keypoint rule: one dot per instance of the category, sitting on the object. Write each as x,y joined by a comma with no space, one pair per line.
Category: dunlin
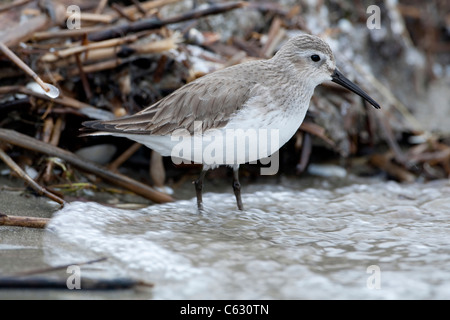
208,117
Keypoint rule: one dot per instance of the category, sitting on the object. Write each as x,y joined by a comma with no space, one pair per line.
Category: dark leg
237,188
198,189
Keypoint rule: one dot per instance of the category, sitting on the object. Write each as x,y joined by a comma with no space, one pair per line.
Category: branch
18,221
38,188
154,23
24,141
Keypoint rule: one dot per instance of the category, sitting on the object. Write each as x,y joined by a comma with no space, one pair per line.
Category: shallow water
368,239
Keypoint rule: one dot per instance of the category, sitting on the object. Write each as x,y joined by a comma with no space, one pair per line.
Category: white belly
257,131
247,138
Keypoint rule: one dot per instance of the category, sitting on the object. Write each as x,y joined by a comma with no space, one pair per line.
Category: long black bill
339,78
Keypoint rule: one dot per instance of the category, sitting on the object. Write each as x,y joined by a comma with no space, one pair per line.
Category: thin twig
139,7
94,17
24,141
305,153
39,189
84,108
147,6
86,284
83,77
154,23
113,166
19,221
26,30
54,140
318,131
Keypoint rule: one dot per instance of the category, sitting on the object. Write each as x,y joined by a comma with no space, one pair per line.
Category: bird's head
313,61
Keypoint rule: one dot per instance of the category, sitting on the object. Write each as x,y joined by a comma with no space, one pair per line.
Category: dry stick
46,137
305,153
17,280
147,6
101,6
47,130
108,49
122,13
64,100
22,65
152,47
50,57
94,17
51,14
83,77
107,53
390,139
18,221
157,171
14,4
154,23
66,33
124,156
87,284
96,55
54,141
316,130
39,189
56,268
29,143
43,35
383,161
275,29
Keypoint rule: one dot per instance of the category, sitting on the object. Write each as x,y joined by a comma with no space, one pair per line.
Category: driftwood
29,143
29,280
22,174
154,23
86,284
19,221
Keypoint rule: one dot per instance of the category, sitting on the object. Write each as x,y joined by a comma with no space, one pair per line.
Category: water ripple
290,243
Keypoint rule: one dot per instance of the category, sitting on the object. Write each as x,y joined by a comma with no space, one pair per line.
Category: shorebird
263,95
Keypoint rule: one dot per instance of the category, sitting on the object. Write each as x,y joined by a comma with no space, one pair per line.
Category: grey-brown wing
211,99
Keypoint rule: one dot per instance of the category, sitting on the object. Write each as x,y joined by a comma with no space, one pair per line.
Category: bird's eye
315,58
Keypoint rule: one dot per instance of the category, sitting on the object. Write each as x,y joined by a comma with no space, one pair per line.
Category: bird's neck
292,88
